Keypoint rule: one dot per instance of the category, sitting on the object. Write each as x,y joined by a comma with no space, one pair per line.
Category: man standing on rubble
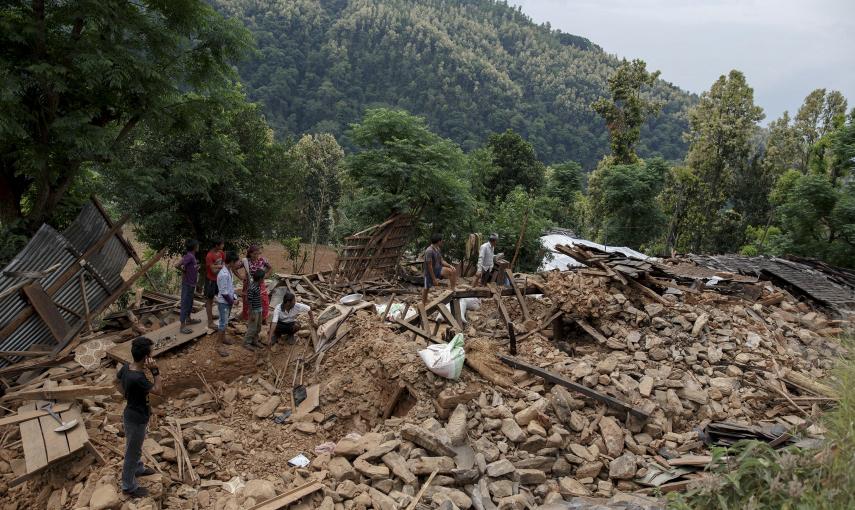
435,268
136,388
189,266
213,264
486,256
226,298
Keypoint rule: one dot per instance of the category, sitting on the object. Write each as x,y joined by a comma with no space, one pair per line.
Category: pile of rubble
616,391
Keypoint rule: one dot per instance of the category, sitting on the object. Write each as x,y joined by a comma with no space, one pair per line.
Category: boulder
341,469
457,427
500,468
612,436
105,497
512,430
259,490
426,439
265,409
569,486
623,467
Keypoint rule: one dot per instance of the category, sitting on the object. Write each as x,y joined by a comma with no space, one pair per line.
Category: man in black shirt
136,387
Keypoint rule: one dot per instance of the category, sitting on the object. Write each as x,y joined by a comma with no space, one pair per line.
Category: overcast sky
786,48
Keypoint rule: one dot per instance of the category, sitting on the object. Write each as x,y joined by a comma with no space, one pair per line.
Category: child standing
255,304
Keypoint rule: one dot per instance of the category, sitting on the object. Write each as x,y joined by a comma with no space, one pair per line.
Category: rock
520,501
105,496
612,436
657,353
347,489
580,451
623,467
427,465
349,447
700,322
306,428
535,428
259,490
341,469
501,488
266,409
426,439
512,430
569,486
531,476
381,449
398,465
500,468
531,412
327,504
577,421
229,395
589,469
372,471
459,498
645,386
381,501
457,428
533,444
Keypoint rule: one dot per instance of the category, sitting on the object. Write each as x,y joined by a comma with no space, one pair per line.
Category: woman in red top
252,263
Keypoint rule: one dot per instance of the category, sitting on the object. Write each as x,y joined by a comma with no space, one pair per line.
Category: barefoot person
213,264
253,298
285,319
136,387
226,298
252,263
190,267
435,268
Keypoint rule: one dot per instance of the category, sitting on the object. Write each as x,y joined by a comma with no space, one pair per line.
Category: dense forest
306,121
470,68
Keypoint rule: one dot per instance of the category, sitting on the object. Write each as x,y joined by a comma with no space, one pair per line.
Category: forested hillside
470,68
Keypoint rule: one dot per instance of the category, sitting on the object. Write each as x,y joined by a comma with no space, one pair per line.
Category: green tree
628,107
213,171
318,159
624,198
564,184
820,113
514,164
401,166
722,128
80,76
507,216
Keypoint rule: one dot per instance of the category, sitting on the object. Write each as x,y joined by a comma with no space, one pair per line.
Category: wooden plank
386,309
445,297
591,330
417,330
32,414
519,295
166,338
86,316
290,496
455,311
77,437
56,443
422,315
449,318
483,292
499,304
415,502
649,293
59,393
584,390
35,454
541,326
44,307
25,354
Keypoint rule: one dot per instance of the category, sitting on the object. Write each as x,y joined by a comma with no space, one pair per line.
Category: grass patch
757,477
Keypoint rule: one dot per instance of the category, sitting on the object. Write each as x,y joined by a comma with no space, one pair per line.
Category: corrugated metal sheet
47,248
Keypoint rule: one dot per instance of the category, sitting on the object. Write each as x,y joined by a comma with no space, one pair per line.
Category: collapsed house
608,383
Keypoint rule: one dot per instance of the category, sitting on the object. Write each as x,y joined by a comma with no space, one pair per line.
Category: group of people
221,267
436,268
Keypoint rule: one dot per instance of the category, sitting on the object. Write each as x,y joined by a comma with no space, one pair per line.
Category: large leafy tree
212,171
514,164
80,76
523,217
318,160
402,166
623,197
628,108
722,133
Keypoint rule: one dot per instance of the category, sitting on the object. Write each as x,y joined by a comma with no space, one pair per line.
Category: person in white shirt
226,297
486,257
285,318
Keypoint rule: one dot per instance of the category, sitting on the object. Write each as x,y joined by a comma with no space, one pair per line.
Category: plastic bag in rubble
445,360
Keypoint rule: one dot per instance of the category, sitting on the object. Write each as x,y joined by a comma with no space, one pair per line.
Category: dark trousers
186,301
133,465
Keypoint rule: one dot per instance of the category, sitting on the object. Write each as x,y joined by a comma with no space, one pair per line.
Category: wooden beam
649,293
449,318
31,414
44,307
417,330
59,393
86,318
541,326
445,297
289,496
519,295
584,390
484,292
500,304
591,330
